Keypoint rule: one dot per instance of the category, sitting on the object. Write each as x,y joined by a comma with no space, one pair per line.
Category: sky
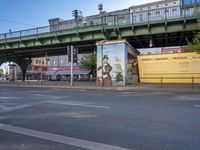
18,15
24,14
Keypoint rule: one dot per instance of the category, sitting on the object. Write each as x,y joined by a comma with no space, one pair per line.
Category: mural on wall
112,64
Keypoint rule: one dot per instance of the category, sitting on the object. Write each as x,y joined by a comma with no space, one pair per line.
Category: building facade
186,3
37,69
60,68
161,50
109,18
159,10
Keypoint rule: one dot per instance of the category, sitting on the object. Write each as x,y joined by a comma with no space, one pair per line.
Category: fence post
192,82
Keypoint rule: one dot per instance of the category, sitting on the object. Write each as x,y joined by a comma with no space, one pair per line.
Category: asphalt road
64,119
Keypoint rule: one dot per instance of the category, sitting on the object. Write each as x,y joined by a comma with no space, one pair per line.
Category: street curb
133,88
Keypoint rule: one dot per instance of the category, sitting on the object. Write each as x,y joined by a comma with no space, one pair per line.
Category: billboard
112,59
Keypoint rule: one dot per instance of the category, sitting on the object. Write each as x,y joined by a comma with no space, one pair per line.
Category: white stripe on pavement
93,94
10,109
60,139
196,105
78,104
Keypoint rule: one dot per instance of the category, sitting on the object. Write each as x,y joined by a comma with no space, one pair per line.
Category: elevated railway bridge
165,30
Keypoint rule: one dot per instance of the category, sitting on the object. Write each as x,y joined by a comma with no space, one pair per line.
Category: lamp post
71,69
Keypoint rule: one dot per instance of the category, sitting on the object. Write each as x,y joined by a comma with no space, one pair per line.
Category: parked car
3,78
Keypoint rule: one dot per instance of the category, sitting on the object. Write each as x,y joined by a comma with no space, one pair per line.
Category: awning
51,72
75,72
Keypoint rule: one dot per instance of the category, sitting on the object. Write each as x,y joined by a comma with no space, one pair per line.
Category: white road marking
37,95
19,107
70,103
194,97
71,90
127,94
93,94
59,138
4,105
197,106
5,97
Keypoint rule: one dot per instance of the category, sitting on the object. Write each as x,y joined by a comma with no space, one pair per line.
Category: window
36,62
166,4
44,69
174,10
53,63
149,7
141,9
121,17
66,62
141,17
157,13
43,62
157,6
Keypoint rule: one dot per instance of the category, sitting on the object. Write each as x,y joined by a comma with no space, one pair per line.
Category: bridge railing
149,16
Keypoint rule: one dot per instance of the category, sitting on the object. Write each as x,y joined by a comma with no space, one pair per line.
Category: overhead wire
16,22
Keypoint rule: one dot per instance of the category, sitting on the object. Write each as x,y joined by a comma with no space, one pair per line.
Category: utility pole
71,65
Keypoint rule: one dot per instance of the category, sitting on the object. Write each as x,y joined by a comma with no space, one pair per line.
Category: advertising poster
112,64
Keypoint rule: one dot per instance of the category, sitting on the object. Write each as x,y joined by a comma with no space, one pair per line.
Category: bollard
192,82
161,82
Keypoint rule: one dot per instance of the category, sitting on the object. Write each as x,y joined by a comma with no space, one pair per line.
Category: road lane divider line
197,106
78,104
19,107
59,138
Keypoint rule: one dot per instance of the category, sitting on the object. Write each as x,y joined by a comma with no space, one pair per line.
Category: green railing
162,14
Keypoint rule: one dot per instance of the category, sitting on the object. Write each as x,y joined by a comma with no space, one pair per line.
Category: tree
194,45
89,62
1,72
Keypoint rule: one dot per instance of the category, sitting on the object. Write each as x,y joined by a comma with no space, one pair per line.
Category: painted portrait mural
112,64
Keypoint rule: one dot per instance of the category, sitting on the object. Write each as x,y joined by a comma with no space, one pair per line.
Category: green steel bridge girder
98,32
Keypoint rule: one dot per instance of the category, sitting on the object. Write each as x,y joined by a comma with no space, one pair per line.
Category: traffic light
75,13
75,55
100,7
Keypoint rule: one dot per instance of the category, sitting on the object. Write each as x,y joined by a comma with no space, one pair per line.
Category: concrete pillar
23,63
2,60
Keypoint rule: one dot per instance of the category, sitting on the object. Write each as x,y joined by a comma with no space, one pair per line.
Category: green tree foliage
89,61
1,72
194,45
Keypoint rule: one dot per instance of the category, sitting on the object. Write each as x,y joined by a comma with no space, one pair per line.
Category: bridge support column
23,64
2,60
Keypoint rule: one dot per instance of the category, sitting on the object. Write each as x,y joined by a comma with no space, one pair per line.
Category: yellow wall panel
169,68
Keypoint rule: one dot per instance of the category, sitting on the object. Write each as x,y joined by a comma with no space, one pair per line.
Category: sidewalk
92,86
